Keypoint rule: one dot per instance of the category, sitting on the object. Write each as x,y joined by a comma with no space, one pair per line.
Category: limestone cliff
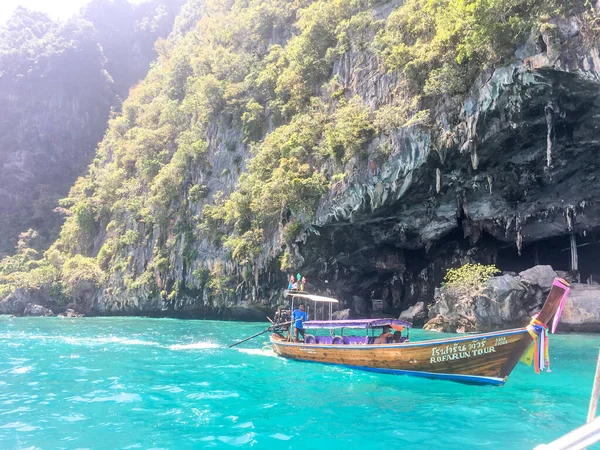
58,83
289,143
515,165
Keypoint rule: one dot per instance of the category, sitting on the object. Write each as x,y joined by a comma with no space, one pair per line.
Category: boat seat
347,340
324,339
355,340
310,339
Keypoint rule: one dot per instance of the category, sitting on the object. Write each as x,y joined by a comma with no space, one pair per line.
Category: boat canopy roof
314,298
356,323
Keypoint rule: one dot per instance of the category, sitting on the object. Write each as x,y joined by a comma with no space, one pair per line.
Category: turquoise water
163,383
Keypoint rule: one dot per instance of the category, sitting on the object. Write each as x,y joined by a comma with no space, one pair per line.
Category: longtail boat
486,358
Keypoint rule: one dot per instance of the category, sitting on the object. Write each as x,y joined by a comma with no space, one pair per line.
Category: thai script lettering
460,351
308,350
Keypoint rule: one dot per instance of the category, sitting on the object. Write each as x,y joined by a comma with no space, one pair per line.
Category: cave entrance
555,252
588,249
546,252
508,259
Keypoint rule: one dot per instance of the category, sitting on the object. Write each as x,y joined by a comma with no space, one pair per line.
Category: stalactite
549,112
465,205
490,179
438,180
569,217
519,236
507,226
474,157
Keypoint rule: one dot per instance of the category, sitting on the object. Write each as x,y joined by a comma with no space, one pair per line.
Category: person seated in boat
290,282
383,337
299,316
295,286
397,337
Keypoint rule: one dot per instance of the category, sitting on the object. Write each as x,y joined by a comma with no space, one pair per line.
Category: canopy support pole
291,332
574,256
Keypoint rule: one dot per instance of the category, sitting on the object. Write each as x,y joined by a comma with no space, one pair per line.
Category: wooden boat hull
481,359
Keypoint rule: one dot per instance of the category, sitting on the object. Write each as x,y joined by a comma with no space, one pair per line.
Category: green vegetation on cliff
441,46
222,155
469,277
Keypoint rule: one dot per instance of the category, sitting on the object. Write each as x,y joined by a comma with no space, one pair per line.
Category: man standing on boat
299,316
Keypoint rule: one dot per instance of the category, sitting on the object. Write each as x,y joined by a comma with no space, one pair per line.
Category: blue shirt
299,317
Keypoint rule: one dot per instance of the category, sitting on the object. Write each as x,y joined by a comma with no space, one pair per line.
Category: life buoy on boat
337,340
310,339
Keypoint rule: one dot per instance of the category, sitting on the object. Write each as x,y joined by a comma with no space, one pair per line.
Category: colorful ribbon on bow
538,353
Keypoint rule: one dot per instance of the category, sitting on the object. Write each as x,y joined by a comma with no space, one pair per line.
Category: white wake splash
257,351
194,346
21,370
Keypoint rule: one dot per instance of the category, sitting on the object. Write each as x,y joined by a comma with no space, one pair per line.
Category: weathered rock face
518,166
416,314
542,276
510,301
70,313
582,309
513,163
503,302
342,314
17,302
521,168
37,310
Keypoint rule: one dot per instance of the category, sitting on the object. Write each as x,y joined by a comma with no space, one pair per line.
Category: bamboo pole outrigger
271,328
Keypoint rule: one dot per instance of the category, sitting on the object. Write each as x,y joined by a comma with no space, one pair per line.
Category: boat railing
577,439
587,434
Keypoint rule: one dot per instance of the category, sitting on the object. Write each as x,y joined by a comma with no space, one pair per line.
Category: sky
56,9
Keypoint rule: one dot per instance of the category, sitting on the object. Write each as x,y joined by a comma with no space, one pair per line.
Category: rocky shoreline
504,301
507,301
18,306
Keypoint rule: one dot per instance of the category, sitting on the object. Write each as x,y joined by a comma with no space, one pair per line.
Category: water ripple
118,398
161,383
